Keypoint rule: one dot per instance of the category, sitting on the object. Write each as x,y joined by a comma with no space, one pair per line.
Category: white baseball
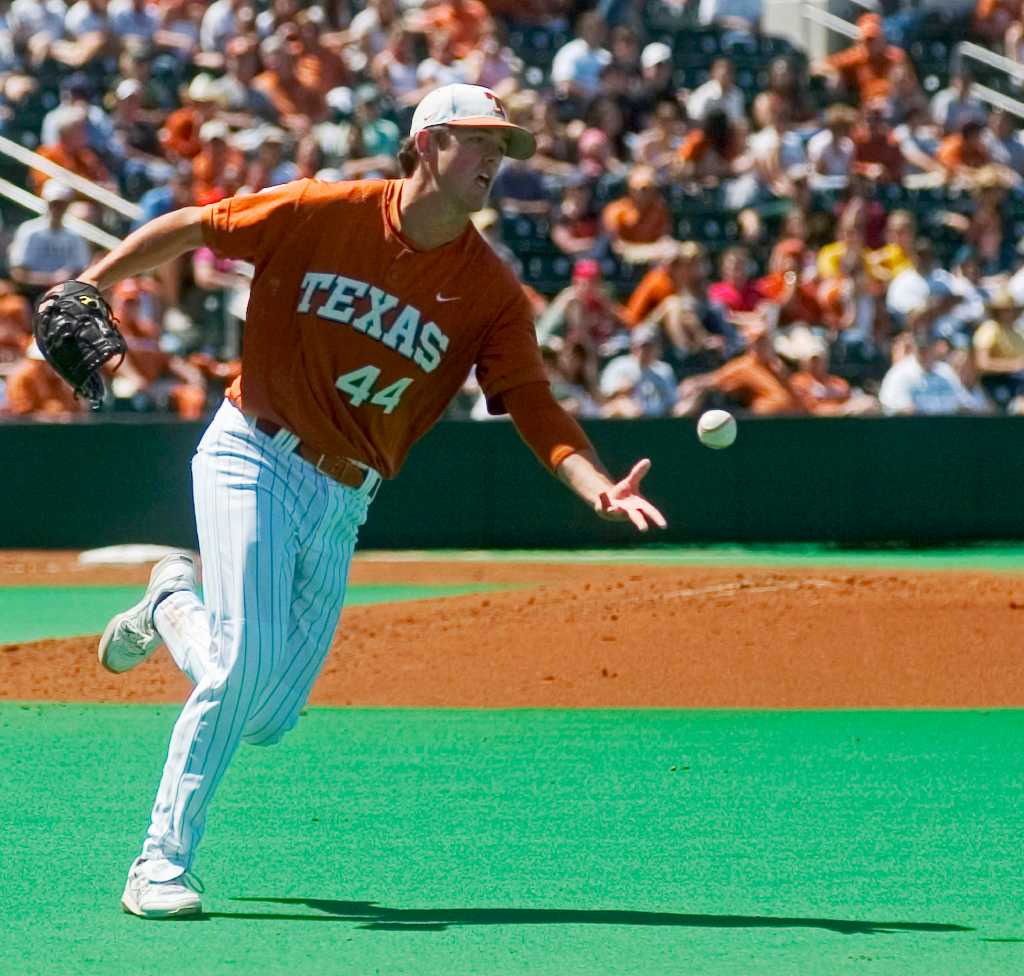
716,429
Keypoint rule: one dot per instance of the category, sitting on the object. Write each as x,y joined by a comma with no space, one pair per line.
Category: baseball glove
77,334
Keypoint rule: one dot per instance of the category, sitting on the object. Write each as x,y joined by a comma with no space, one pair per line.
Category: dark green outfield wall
475,484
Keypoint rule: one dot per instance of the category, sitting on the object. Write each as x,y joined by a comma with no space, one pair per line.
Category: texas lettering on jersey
375,313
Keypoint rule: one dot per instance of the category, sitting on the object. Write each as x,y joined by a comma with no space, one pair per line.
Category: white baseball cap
471,105
54,190
656,52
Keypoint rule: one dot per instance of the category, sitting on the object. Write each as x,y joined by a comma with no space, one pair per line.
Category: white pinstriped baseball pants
276,538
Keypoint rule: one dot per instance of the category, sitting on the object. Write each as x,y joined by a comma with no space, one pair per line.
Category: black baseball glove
77,333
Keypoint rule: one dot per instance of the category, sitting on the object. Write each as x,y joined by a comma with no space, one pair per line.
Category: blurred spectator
795,299
134,18
963,363
15,326
178,30
463,21
895,256
955,105
439,68
86,21
135,142
785,89
876,152
71,150
638,383
757,381
720,92
556,148
583,312
736,15
180,133
696,335
269,166
666,278
216,161
779,153
1003,141
821,393
44,252
78,91
984,227
149,377
394,66
233,93
920,382
491,63
920,287
577,223
596,159
220,24
831,152
865,69
993,18
573,375
964,152
658,145
919,138
320,66
715,153
520,188
576,68
736,292
33,389
998,347
375,26
657,82
849,251
295,104
641,217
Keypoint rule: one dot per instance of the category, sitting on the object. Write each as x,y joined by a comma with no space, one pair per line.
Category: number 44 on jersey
358,386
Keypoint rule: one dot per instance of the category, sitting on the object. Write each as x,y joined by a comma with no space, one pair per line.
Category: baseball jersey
355,340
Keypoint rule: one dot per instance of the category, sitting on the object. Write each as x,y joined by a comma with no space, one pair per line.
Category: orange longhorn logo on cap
498,107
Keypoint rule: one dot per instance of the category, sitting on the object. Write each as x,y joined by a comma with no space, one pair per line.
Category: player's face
468,164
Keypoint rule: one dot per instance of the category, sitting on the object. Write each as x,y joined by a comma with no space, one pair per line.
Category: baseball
716,429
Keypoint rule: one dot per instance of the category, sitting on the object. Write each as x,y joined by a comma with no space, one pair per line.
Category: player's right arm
155,243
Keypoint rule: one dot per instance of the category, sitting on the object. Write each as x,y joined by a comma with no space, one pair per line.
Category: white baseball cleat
159,899
131,636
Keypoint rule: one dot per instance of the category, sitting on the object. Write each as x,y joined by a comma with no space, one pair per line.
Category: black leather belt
341,469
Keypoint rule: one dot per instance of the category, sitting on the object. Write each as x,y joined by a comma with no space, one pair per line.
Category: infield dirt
602,636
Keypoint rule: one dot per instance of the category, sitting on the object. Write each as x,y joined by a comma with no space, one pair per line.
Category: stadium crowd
710,218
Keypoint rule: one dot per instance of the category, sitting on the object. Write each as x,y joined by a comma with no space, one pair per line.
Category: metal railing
94,235
86,187
964,49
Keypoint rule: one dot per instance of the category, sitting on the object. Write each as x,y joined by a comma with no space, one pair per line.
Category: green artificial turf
530,842
36,612
1008,557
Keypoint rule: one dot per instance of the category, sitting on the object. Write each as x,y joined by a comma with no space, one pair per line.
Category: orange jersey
354,339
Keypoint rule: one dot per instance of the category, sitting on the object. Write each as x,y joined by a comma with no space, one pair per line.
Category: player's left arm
562,446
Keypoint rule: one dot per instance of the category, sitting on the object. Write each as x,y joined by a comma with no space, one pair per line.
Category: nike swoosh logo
441,298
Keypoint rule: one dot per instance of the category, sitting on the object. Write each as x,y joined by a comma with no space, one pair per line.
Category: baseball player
371,303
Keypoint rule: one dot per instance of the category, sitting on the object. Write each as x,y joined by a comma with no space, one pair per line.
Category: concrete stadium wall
476,485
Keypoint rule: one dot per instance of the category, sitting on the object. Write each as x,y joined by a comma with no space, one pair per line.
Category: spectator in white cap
639,383
656,71
44,252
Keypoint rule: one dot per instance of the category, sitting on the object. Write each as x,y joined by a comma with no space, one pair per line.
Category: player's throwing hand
623,501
